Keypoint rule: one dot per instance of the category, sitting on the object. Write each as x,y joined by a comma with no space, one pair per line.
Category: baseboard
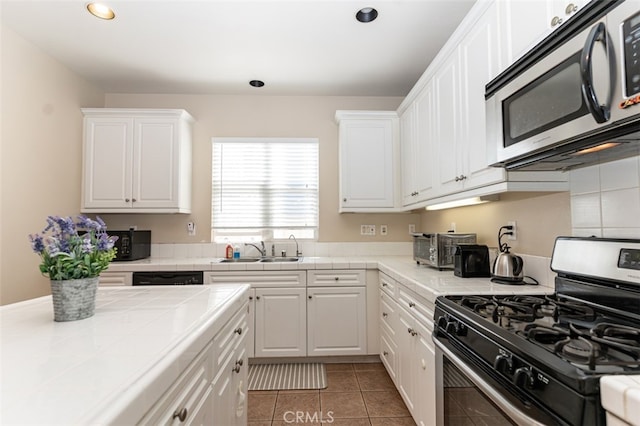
340,359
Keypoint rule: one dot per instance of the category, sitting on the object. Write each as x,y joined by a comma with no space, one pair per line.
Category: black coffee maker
471,261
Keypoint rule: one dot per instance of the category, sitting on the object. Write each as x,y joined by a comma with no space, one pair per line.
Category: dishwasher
168,278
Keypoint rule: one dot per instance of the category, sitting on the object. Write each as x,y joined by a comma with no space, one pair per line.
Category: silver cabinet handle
181,415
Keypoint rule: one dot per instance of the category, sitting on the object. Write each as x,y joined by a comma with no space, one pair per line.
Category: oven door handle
600,112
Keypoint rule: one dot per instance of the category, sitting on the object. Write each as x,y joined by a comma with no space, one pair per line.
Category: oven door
511,407
567,93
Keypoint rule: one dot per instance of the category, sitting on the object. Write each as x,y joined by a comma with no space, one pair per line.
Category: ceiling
297,47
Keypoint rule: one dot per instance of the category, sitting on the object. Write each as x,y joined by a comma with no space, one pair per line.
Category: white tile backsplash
605,199
619,174
585,211
309,249
585,181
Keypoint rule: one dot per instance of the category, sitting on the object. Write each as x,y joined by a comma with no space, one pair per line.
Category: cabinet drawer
185,393
258,279
232,335
412,304
388,314
389,354
115,278
388,285
333,278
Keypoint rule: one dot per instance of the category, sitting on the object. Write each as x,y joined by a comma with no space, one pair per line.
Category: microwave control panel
631,41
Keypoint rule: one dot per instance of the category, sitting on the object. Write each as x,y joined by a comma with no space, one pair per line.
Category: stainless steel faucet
298,252
263,250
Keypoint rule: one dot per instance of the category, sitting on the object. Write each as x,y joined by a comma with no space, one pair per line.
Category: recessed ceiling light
366,14
101,11
256,83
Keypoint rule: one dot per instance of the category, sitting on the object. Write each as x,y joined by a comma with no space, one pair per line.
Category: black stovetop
589,338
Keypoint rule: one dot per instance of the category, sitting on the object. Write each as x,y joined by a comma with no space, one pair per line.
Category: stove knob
524,377
442,322
452,327
503,363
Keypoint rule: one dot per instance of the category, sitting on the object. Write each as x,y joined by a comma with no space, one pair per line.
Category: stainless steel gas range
540,357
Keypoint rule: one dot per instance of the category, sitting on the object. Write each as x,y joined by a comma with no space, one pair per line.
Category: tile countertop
620,396
108,368
425,281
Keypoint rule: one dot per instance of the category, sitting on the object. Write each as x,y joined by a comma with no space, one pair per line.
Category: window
264,189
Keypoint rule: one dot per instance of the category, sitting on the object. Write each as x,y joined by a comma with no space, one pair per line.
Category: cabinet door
337,321
107,162
425,377
251,320
230,393
408,154
479,59
281,322
447,118
366,163
156,157
406,364
424,143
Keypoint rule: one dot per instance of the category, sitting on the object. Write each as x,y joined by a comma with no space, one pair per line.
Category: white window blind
263,184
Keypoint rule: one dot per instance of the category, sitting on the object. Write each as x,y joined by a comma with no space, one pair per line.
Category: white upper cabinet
367,154
417,142
460,109
526,22
136,161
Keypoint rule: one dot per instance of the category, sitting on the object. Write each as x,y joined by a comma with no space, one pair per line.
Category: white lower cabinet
303,313
336,312
212,389
336,321
276,313
280,322
407,350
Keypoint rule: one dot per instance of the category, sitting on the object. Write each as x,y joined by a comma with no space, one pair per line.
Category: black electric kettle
507,267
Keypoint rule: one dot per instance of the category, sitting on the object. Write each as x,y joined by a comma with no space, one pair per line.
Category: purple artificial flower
37,243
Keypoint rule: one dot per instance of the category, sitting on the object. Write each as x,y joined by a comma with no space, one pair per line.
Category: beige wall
266,116
41,156
540,218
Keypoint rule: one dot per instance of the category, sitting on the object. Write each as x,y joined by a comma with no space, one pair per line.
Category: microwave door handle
600,112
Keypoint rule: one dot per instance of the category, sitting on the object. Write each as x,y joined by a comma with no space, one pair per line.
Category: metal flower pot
74,299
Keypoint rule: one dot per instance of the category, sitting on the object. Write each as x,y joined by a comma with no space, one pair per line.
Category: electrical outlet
191,228
133,228
452,227
383,229
367,230
412,228
514,235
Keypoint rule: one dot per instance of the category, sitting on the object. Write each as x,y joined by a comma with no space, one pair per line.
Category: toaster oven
438,250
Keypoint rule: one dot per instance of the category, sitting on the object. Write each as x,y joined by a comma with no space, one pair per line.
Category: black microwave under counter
131,245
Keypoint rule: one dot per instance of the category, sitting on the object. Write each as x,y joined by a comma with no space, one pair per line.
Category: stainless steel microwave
574,100
438,250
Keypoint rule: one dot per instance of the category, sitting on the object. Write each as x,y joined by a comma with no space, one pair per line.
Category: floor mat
287,376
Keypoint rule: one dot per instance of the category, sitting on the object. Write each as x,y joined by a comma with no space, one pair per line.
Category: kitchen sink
261,259
241,260
280,259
